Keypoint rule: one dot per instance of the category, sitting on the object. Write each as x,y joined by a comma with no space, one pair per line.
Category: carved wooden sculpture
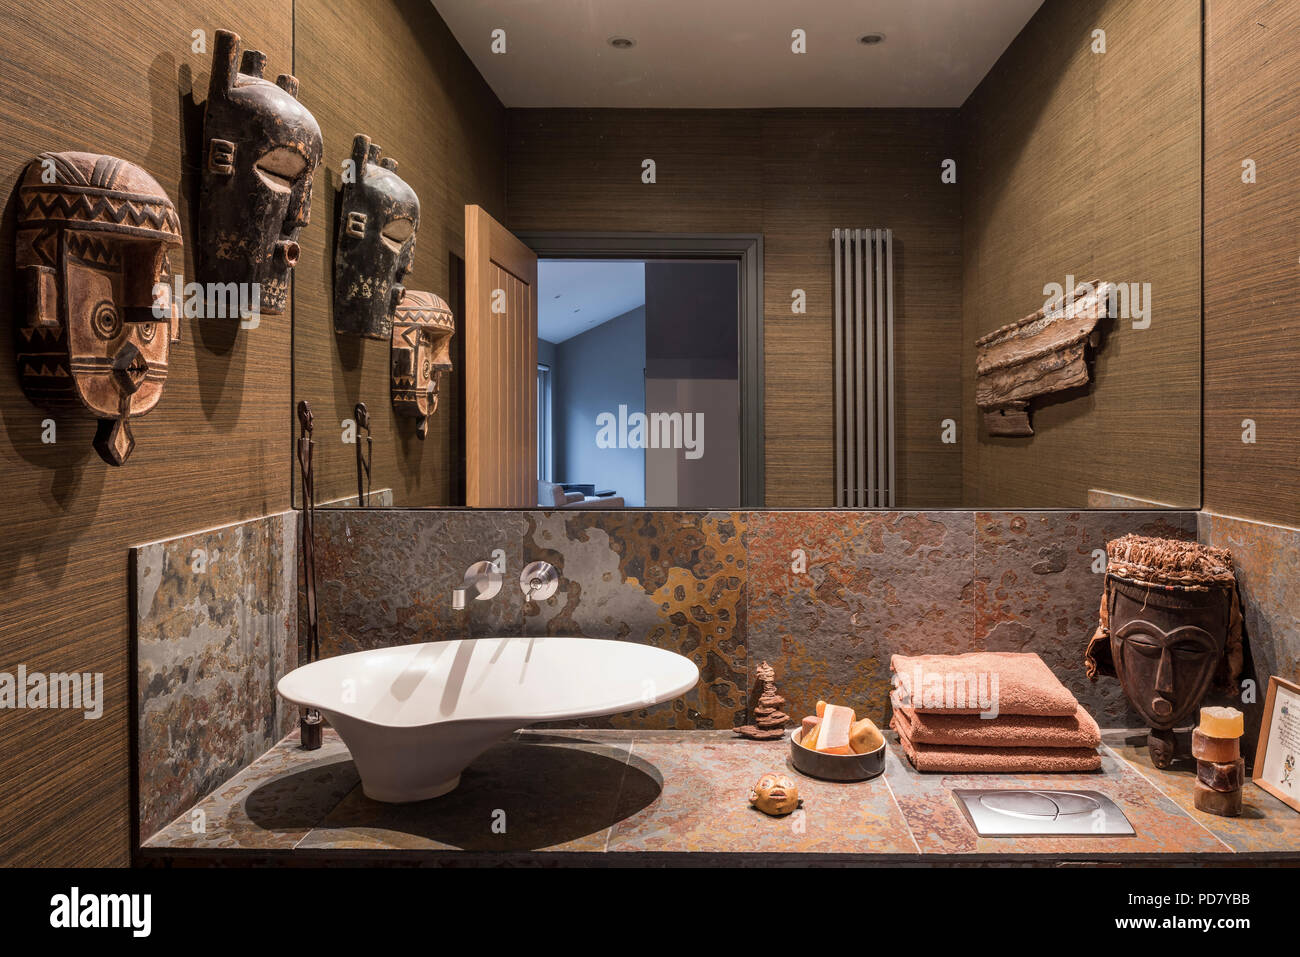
769,721
261,150
1043,353
310,721
379,215
96,320
1170,628
365,453
421,353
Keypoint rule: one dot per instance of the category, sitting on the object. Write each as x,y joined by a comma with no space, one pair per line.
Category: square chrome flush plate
1014,812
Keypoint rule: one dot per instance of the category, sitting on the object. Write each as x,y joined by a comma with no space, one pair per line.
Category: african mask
1166,649
1170,629
261,149
97,320
378,218
421,353
775,794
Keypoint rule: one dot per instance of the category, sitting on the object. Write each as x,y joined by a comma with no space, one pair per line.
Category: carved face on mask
775,794
378,218
1166,646
96,319
421,353
261,149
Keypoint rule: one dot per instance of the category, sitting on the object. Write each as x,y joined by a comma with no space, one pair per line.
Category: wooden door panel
501,358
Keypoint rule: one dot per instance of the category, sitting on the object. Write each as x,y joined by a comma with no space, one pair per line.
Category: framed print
1277,759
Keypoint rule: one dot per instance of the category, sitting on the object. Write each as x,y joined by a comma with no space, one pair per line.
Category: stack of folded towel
939,702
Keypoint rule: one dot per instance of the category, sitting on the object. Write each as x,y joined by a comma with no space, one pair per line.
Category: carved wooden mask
96,318
378,218
1166,646
421,353
261,149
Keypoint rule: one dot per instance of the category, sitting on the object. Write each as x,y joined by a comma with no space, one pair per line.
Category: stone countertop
634,797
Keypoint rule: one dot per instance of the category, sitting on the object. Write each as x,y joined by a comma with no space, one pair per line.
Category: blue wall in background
593,373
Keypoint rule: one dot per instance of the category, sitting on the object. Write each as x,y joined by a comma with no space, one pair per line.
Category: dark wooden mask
379,215
96,318
1166,646
261,149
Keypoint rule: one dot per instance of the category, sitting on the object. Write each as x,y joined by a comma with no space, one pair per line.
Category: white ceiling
575,295
735,53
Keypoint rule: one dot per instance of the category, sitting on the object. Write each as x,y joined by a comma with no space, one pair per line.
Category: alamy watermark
958,691
213,300
39,690
1126,300
76,910
656,430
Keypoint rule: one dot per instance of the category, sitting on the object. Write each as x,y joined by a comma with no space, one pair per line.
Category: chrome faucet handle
458,598
539,581
482,580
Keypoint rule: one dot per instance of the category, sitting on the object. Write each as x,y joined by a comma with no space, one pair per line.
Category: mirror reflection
921,256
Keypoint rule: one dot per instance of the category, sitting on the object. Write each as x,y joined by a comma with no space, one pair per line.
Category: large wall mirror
944,255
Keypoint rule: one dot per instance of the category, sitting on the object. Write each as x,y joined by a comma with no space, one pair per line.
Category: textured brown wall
792,175
392,70
114,77
1090,164
1252,350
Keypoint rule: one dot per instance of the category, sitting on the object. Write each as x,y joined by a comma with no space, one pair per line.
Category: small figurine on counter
1220,768
775,794
769,721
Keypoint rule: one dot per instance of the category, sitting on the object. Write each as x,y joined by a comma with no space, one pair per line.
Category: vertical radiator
864,367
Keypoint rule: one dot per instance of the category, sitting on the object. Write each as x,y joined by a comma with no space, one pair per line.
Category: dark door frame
746,250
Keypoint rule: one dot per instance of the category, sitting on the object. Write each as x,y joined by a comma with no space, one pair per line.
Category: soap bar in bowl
836,729
835,767
865,737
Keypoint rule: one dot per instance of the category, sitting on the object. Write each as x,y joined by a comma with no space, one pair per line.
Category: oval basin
414,716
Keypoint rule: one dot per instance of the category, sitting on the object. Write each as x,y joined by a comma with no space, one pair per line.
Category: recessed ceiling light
621,43
871,39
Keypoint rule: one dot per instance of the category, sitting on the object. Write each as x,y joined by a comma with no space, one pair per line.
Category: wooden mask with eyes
261,149
379,215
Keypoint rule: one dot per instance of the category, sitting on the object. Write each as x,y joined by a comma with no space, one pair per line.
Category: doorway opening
650,354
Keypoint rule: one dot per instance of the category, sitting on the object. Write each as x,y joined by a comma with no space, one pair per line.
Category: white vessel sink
414,716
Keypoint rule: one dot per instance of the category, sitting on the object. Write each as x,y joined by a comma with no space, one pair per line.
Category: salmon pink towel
1008,731
981,682
957,760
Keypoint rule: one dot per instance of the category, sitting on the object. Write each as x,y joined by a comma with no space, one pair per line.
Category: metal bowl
835,767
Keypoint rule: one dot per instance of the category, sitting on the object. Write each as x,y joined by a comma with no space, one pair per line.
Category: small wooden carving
769,721
365,453
1043,353
775,794
310,721
96,320
261,149
379,215
421,353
